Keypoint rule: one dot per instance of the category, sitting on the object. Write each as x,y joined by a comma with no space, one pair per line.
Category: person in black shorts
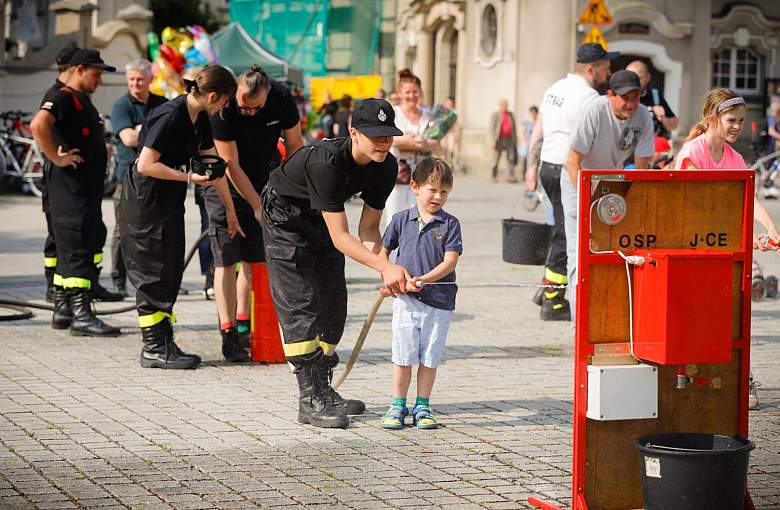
306,236
246,133
69,131
152,207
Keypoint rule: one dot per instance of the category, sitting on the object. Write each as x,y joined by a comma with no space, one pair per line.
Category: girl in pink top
708,147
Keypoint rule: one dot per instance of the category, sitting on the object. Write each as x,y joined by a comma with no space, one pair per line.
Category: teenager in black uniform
152,207
306,237
50,247
69,131
246,133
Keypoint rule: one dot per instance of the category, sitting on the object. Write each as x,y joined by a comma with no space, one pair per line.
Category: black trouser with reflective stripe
154,259
49,247
555,266
306,273
79,233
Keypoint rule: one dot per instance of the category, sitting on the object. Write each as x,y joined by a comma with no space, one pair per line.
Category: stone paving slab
83,426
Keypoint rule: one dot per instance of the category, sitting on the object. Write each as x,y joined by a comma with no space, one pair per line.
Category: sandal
423,418
394,418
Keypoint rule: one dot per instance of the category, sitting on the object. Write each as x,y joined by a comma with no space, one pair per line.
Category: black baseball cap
623,82
90,57
375,117
65,54
593,52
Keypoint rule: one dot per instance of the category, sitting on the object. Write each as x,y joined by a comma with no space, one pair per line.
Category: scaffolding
323,37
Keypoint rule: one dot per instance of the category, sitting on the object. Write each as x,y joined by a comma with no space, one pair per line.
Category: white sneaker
770,193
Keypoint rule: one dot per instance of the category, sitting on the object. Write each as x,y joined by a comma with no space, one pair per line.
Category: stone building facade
117,28
479,51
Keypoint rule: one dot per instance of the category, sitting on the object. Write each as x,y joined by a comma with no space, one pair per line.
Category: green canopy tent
237,50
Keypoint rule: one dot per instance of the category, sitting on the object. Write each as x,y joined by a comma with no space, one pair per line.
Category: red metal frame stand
588,260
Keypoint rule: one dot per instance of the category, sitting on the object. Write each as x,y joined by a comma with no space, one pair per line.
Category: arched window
488,30
738,69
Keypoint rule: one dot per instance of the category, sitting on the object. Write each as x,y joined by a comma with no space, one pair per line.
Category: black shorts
228,252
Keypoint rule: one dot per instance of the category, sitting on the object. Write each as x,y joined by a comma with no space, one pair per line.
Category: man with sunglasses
246,133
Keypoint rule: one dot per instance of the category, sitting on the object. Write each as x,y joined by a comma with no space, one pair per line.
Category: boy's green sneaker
394,418
423,418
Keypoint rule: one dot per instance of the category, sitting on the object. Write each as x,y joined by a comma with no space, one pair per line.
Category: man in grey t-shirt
609,129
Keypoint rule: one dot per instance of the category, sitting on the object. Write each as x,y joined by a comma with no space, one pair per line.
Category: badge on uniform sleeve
382,116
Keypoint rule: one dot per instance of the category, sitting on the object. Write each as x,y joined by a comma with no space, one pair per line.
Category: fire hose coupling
209,165
634,260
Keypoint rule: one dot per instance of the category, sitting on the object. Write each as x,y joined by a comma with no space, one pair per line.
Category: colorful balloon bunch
180,50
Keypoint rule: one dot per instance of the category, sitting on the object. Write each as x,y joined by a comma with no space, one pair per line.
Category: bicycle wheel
33,173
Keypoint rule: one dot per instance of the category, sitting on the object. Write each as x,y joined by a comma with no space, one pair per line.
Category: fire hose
22,307
342,376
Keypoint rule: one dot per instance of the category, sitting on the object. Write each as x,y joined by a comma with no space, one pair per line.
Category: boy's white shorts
419,332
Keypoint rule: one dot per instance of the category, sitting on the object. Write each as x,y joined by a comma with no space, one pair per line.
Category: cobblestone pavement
82,425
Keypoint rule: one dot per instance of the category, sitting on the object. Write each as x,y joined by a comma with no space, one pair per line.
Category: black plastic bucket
694,471
525,242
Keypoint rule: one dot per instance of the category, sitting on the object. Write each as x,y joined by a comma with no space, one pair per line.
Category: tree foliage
180,13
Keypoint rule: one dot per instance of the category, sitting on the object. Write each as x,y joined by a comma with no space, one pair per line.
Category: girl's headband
728,103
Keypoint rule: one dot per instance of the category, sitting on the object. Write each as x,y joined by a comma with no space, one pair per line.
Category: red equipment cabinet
683,307
695,212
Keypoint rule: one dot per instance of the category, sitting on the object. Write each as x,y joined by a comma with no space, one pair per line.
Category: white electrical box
622,392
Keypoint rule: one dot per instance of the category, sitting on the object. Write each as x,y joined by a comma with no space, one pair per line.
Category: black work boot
313,406
231,348
84,322
50,290
555,306
100,293
348,406
62,316
160,351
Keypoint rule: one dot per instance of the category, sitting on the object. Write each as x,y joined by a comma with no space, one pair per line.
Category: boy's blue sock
398,402
422,402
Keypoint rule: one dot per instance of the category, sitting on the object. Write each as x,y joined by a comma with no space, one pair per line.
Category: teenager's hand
233,225
68,158
383,291
411,285
201,180
394,278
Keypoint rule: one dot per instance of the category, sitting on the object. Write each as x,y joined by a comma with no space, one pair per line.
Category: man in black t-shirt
246,133
664,119
50,247
78,168
306,237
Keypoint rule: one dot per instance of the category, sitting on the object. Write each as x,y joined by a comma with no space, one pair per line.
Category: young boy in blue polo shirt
429,244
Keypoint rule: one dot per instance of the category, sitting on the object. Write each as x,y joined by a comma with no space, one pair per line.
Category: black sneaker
100,293
121,289
555,310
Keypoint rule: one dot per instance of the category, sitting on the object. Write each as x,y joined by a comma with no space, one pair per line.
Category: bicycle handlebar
14,115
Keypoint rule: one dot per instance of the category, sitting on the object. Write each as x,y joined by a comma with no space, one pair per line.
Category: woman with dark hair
152,206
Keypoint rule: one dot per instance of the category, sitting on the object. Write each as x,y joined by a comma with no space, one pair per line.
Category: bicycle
20,158
766,176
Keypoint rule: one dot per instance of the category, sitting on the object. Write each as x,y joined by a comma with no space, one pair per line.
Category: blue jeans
569,202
